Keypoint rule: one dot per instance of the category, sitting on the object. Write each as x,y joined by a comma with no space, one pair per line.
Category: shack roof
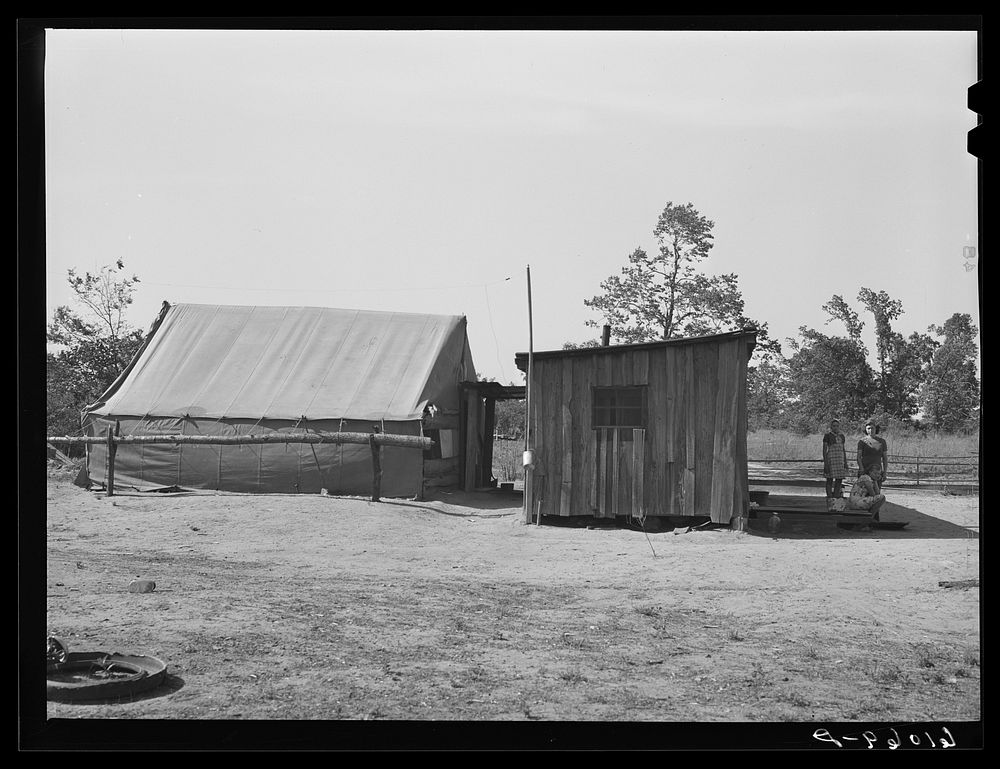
521,358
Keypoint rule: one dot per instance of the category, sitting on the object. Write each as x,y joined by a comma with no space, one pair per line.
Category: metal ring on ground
77,679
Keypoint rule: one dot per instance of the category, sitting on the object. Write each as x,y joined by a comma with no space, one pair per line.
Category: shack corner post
529,454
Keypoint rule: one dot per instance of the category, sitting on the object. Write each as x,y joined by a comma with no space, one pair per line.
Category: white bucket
529,458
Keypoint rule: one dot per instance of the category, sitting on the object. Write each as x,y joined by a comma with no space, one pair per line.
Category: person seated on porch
865,496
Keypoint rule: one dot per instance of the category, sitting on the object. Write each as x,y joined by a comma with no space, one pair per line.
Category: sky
430,171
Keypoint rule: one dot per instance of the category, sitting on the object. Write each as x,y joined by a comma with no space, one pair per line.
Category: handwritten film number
893,742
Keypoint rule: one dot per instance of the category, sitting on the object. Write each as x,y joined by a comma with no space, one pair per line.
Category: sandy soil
454,610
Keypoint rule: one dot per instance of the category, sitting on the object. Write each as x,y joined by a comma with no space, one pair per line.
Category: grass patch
575,642
887,674
926,656
784,444
502,609
759,681
796,699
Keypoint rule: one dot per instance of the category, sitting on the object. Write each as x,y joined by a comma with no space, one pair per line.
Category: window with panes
621,408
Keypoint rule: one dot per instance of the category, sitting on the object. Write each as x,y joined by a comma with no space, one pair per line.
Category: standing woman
834,460
871,456
885,452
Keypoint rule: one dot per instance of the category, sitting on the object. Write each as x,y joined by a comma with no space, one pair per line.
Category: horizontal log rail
376,440
380,439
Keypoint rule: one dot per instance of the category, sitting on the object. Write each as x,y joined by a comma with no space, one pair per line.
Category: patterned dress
834,456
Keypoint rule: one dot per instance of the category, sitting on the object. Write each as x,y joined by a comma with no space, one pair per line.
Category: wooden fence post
112,449
376,465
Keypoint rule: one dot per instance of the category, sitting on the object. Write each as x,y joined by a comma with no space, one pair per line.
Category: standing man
871,456
834,461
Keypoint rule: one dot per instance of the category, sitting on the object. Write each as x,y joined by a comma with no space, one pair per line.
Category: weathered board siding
689,460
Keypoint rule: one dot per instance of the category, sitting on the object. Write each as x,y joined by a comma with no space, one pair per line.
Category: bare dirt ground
453,609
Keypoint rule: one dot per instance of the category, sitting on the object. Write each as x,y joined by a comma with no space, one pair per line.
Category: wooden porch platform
803,504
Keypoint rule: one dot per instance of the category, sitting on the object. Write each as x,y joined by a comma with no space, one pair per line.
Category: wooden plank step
801,504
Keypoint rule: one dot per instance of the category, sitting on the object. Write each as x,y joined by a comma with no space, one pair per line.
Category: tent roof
215,361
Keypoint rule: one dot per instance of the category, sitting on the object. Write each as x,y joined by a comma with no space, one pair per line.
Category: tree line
921,380
917,381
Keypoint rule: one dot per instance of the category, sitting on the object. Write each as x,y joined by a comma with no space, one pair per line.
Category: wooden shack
640,430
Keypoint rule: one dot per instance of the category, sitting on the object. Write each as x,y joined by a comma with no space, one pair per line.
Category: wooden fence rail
894,459
375,439
916,468
968,467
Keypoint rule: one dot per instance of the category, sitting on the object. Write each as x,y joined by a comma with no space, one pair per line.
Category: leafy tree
829,376
90,346
838,309
510,415
885,310
105,298
902,362
908,362
664,295
587,343
950,395
63,401
769,401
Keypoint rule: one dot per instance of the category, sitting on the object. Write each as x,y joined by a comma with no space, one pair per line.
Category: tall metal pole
528,495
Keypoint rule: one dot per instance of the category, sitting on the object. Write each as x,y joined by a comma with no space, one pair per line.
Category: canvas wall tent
237,370
640,430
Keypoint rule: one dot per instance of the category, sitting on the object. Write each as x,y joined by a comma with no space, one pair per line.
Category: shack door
619,418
